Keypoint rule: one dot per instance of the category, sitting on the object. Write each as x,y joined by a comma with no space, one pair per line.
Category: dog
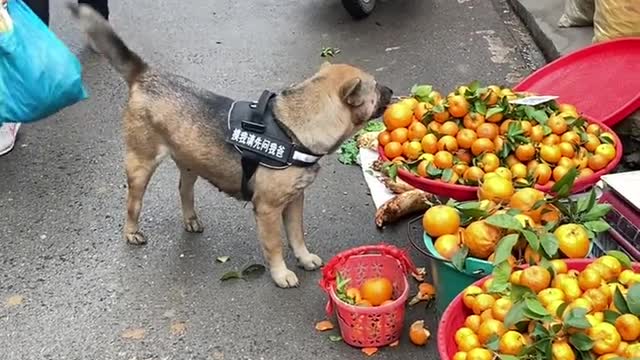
167,115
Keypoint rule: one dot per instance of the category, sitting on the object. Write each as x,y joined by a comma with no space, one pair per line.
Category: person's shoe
8,134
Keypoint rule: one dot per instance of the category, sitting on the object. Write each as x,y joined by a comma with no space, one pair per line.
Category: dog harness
261,139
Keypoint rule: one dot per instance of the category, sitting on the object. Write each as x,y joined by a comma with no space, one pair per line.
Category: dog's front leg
294,227
187,181
269,223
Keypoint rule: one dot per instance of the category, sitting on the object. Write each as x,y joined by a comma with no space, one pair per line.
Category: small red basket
369,326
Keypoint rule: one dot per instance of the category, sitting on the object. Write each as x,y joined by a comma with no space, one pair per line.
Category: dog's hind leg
139,172
187,181
295,234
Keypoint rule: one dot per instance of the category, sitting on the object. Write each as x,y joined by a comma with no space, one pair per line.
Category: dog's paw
135,238
285,278
310,262
193,225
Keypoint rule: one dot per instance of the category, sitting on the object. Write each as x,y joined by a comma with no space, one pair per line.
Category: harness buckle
253,126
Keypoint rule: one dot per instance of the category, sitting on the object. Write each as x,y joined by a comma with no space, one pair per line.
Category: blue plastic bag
39,75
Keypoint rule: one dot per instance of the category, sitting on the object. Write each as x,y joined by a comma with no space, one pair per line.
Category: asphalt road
71,288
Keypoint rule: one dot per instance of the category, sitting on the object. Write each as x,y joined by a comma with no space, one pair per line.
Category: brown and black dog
169,116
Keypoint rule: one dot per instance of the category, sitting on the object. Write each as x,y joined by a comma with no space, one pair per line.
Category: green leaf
562,188
231,275
438,108
549,243
504,221
374,125
546,130
222,259
532,239
335,338
529,110
585,203
540,116
581,341
433,171
519,293
474,86
597,212
494,110
507,357
540,332
447,174
480,107
597,226
620,302
606,140
536,307
610,316
538,204
560,310
621,257
393,172
515,314
253,270
459,258
577,318
501,273
504,248
421,91
633,299
493,343
349,152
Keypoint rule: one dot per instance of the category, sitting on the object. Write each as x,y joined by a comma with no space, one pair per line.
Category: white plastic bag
577,13
616,18
6,24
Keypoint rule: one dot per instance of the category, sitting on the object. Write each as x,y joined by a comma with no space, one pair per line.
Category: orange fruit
400,135
447,143
535,278
458,106
542,173
422,110
434,127
422,167
589,279
487,131
606,338
429,144
559,266
557,124
397,115
418,334
551,139
479,354
594,129
376,290
481,239
608,151
449,128
489,162
566,149
482,146
473,175
568,108
549,295
413,150
504,172
466,137
597,162
443,159
531,256
550,153
526,127
447,245
469,343
592,142
632,351
496,189
460,355
364,303
441,220
515,276
491,95
559,172
573,240
561,350
525,199
598,299
470,294
393,150
628,325
473,120
500,308
354,293
384,138
511,343
566,162
504,126
410,102
460,168
473,322
519,170
464,155
417,131
441,117
612,263
498,143
525,152
495,118
537,133
571,137
489,328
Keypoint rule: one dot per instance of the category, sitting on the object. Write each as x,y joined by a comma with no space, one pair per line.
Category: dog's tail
108,43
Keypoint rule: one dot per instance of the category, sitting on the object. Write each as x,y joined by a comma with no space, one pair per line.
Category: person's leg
40,8
101,6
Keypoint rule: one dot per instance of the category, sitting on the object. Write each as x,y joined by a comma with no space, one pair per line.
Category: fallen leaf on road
419,274
231,275
324,325
253,270
335,338
178,328
369,351
14,300
222,259
395,343
133,334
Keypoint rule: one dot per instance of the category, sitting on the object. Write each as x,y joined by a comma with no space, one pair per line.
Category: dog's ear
351,92
325,65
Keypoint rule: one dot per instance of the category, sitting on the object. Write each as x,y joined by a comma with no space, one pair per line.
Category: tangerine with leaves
481,146
397,115
417,131
473,120
441,220
465,138
447,245
573,240
429,144
458,106
535,278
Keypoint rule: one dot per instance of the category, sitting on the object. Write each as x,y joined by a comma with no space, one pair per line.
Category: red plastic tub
466,192
454,316
369,326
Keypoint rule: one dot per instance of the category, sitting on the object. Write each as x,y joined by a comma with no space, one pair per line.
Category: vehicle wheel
359,9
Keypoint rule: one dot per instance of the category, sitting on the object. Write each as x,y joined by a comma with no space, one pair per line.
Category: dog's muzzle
383,100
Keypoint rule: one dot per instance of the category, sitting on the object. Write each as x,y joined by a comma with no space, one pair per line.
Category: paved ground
70,288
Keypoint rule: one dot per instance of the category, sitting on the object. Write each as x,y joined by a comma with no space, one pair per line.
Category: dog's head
337,101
